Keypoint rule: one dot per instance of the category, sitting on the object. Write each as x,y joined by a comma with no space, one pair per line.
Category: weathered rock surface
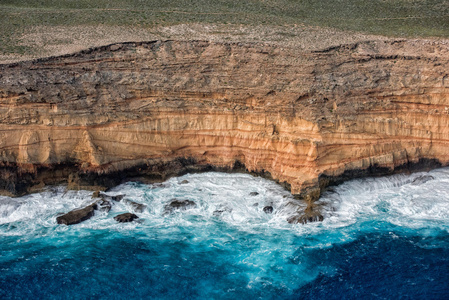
78,215
157,109
126,217
176,204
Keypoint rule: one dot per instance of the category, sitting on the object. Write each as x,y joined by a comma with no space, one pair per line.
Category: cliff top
32,29
60,40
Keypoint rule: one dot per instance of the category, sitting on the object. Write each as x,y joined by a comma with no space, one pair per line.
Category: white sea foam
403,200
225,198
219,198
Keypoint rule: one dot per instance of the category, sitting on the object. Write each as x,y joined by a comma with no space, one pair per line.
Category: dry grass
32,28
58,40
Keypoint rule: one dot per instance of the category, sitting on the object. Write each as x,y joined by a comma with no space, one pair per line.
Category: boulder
184,182
176,204
126,217
78,215
253,193
268,209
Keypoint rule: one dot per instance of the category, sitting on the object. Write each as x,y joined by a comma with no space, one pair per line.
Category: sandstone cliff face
160,108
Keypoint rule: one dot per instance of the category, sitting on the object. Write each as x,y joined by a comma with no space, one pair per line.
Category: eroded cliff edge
158,109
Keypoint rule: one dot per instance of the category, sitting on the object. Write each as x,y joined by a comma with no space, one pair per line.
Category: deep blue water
383,238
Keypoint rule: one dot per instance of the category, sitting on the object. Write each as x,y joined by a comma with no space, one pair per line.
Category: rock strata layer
157,109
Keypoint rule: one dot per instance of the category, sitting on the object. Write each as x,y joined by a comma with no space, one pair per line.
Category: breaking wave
382,237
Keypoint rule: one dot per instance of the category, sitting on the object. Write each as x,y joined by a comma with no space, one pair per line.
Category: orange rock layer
302,117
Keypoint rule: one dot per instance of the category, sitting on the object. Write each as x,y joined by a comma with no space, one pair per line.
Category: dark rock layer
126,217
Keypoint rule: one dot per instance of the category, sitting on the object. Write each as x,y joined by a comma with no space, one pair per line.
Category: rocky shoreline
104,202
17,185
153,110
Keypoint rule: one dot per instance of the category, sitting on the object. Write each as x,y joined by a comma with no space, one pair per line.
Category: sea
381,238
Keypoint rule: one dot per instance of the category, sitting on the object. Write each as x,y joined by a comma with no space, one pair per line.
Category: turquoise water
381,238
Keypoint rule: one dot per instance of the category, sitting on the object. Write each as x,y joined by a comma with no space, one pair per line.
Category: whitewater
381,238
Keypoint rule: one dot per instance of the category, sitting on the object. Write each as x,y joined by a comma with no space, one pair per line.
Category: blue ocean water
382,238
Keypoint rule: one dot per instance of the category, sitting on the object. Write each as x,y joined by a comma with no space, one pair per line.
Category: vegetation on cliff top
410,18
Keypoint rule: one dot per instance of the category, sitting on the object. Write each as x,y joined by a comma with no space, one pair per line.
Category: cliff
157,109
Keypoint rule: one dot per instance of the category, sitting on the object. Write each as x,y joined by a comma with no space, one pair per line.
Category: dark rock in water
256,204
310,214
78,215
268,209
253,193
126,217
160,185
222,210
116,198
422,179
184,181
103,205
137,207
176,204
